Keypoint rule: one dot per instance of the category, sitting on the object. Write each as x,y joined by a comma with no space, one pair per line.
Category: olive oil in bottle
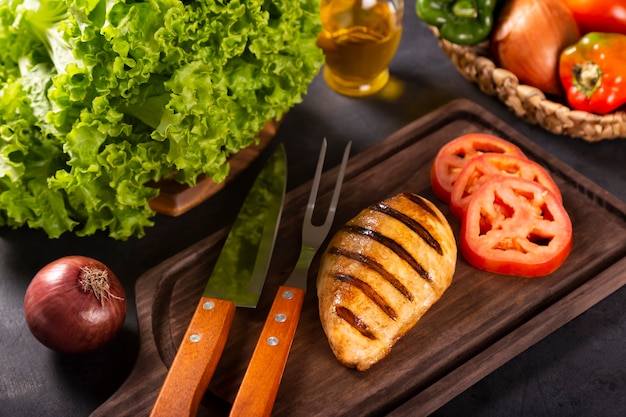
359,38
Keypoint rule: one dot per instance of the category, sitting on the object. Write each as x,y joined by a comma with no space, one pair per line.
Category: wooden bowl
175,198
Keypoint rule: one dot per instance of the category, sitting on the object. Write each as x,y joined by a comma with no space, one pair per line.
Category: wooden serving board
481,322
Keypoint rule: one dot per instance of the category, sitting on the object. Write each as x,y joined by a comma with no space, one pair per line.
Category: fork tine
310,207
330,215
339,183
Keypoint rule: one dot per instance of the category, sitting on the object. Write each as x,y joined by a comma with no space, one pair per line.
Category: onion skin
65,317
528,38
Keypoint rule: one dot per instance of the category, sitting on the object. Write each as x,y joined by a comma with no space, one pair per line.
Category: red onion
75,304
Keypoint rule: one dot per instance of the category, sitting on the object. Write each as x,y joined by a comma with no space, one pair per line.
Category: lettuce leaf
100,97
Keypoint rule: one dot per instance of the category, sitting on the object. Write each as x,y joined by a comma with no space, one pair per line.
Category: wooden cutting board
481,322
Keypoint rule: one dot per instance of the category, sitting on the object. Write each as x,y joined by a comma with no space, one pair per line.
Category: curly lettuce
100,97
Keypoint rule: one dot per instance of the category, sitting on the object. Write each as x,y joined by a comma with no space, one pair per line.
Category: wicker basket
530,103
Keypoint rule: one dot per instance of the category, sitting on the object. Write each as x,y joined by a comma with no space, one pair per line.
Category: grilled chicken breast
380,273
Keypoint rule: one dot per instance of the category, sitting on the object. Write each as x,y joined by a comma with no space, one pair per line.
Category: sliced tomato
517,227
453,156
478,170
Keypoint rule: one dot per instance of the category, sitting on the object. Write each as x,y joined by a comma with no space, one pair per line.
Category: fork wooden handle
260,384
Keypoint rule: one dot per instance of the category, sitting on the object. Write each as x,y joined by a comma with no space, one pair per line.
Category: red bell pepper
593,72
607,16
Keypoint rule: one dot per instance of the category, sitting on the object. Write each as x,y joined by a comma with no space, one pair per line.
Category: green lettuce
100,97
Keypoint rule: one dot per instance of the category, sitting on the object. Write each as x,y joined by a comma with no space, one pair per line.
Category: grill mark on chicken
420,202
369,293
375,266
391,244
355,321
411,223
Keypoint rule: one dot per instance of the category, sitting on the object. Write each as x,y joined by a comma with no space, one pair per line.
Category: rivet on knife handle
270,356
200,349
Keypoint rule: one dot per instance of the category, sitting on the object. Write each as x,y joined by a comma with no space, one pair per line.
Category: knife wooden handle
196,359
259,387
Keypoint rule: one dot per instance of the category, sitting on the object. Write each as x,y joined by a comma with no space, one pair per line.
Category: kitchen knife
237,279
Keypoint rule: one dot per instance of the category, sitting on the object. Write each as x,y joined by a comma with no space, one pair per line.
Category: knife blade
237,279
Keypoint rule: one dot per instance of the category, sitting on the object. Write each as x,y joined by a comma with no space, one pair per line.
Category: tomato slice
478,170
517,227
453,156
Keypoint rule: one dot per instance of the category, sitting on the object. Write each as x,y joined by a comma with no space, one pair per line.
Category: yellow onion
528,37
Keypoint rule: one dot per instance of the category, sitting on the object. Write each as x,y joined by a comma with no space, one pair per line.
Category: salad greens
100,97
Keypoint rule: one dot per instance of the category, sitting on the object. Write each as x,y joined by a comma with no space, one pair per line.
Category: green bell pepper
465,22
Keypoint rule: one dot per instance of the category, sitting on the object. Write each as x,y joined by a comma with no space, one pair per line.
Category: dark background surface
576,371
